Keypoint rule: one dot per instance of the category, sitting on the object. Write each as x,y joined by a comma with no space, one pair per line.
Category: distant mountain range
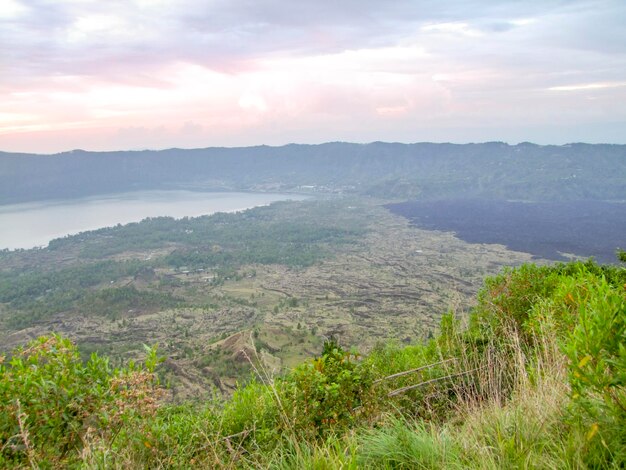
492,170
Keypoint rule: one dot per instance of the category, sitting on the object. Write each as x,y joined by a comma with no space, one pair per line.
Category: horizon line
508,144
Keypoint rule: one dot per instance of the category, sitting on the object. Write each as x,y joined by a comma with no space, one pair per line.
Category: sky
152,74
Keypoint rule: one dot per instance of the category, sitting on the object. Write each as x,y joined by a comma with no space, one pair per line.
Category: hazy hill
423,170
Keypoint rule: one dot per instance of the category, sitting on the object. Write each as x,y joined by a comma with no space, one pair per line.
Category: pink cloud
102,75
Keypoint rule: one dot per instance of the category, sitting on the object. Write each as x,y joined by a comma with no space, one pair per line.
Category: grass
527,430
405,445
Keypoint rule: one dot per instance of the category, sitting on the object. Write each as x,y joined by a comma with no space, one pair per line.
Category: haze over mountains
492,170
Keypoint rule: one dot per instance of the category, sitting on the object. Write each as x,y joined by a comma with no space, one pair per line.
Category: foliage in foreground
536,378
52,403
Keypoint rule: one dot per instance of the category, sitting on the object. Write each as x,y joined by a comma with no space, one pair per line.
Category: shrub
177,436
325,393
252,412
52,404
596,348
509,297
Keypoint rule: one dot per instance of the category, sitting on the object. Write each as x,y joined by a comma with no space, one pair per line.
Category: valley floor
389,281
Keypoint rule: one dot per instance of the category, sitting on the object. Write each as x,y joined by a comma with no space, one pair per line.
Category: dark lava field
544,229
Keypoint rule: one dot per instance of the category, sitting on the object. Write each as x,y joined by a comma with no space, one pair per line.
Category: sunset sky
135,74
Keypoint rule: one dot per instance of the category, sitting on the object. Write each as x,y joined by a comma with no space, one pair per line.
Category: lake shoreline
30,225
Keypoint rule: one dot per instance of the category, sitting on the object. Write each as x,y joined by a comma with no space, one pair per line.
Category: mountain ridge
492,170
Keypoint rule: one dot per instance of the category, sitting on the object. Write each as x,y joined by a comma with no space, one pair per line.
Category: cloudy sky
131,74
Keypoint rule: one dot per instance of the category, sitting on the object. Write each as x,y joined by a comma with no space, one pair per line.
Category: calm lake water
32,224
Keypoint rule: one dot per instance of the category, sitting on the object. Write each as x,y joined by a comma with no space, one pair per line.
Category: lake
32,224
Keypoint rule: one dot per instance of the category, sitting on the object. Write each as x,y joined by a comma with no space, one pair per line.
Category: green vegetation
374,278
114,302
216,246
535,379
288,233
52,405
34,294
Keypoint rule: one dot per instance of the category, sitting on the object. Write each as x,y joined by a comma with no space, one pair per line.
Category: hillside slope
536,379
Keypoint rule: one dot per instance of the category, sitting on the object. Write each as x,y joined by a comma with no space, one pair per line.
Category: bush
581,308
509,297
252,412
52,404
596,348
327,392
